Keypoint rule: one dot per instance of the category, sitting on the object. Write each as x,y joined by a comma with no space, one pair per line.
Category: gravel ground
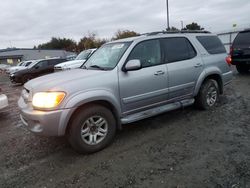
183,148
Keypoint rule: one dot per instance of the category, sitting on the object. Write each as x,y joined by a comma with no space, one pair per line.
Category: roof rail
175,32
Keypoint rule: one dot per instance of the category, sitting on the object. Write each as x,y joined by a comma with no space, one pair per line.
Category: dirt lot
183,148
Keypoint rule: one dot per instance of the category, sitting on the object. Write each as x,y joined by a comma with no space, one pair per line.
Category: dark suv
240,51
36,69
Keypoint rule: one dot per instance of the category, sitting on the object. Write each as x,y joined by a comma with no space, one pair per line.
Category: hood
68,63
14,69
71,80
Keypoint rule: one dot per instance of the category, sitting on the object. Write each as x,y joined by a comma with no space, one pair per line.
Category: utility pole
168,28
181,25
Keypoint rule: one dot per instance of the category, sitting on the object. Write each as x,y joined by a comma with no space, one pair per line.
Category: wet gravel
183,148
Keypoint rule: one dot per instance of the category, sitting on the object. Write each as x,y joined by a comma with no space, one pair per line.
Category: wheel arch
215,76
67,119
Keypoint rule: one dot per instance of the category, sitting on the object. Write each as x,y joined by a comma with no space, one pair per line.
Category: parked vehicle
3,67
77,63
3,100
21,66
35,69
125,81
240,51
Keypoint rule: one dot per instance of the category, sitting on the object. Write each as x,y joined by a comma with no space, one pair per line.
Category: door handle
198,65
157,73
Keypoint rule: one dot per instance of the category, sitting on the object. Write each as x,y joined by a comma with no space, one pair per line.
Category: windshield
107,56
83,55
20,64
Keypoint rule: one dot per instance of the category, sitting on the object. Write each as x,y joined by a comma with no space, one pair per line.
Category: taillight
231,51
229,60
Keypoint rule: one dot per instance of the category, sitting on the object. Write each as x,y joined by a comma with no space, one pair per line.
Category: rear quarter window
212,44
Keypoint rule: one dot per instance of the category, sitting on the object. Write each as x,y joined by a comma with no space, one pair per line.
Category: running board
156,111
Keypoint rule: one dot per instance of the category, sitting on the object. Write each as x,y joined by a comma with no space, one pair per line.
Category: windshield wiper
98,67
84,67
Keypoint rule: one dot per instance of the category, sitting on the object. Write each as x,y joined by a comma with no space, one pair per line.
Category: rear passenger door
184,67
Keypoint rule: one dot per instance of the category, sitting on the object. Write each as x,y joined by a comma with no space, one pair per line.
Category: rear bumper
240,61
227,77
3,101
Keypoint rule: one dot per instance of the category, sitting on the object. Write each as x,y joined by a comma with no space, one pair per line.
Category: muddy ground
183,148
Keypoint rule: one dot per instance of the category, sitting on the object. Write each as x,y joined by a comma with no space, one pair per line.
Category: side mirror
132,65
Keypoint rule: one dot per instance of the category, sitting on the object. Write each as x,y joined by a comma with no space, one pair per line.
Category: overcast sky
25,23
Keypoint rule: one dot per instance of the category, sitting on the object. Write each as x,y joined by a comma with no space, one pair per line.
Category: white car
79,60
21,66
3,101
3,67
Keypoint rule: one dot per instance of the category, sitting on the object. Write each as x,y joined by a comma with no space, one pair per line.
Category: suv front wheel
92,129
208,94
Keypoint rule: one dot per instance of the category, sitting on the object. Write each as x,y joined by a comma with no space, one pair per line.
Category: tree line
92,41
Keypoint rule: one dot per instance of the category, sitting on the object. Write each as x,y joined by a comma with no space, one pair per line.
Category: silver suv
125,81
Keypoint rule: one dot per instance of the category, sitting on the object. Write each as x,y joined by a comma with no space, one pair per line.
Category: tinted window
42,64
212,44
53,61
148,52
242,39
177,49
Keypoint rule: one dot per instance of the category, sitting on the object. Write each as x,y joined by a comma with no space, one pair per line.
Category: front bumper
3,101
44,123
15,79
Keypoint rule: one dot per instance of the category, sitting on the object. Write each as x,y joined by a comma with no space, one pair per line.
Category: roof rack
175,32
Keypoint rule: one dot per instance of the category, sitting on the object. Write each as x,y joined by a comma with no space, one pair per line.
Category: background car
240,51
21,66
3,67
79,60
35,69
3,100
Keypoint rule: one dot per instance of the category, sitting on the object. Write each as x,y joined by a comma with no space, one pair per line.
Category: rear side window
177,49
212,44
242,39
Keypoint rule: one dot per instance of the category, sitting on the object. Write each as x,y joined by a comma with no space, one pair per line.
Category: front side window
148,52
107,57
41,64
177,49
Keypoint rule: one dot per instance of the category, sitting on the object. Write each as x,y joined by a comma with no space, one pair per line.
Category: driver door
148,87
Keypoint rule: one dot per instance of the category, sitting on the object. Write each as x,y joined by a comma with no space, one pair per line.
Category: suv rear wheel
208,94
243,68
92,129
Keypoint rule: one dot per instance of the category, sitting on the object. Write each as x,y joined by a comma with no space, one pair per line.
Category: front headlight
47,100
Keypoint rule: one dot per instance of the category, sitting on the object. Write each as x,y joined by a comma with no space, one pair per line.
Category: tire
84,134
26,78
208,95
242,69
